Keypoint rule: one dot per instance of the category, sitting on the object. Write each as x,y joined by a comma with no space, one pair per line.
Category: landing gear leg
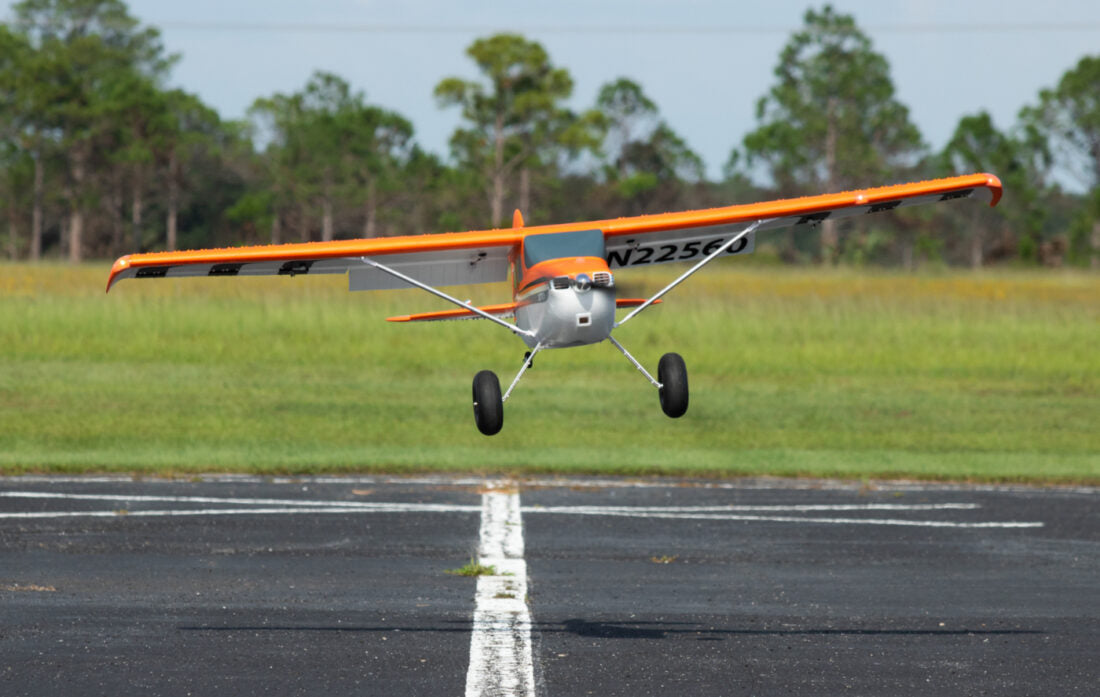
671,381
528,361
488,402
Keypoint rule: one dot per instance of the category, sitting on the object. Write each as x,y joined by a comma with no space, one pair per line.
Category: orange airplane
563,288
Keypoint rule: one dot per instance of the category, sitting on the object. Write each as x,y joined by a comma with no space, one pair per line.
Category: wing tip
993,183
120,265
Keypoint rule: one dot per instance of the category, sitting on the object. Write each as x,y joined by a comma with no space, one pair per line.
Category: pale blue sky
948,58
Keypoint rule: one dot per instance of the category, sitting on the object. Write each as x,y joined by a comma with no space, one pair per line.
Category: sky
704,62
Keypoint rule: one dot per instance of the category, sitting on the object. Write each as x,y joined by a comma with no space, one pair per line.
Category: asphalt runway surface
236,585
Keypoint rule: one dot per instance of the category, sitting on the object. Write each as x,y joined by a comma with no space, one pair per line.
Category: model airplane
563,288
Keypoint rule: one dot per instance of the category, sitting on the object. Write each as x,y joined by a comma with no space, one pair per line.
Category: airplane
563,285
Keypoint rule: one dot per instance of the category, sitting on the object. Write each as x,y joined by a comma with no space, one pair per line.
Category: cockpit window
556,245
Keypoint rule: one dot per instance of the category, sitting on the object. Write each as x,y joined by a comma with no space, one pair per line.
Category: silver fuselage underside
567,317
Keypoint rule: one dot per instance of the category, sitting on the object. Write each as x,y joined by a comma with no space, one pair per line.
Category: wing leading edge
482,256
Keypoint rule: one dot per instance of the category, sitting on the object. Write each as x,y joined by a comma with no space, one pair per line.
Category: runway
339,585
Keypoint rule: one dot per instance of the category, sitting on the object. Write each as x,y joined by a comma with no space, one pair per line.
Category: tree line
99,158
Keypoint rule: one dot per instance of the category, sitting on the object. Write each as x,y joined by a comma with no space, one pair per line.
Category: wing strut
729,243
635,362
438,293
527,361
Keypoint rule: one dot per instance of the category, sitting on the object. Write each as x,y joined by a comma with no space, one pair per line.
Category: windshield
556,245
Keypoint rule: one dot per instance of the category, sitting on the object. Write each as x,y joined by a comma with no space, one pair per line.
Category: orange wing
652,239
482,256
447,259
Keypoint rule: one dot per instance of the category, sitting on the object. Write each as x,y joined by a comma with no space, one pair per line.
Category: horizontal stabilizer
503,310
632,302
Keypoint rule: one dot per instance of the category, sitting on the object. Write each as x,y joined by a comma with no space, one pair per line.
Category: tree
645,157
381,152
831,121
513,118
13,53
21,132
630,116
326,111
188,144
977,146
277,120
1067,118
137,117
79,47
328,149
360,148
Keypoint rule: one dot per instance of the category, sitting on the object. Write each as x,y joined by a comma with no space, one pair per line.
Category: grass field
992,377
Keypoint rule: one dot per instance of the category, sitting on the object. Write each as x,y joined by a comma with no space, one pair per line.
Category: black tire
673,376
488,407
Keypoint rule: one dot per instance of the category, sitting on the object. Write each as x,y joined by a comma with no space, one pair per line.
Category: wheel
673,376
488,407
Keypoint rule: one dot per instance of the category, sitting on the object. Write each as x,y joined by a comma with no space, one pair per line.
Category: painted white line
598,510
287,506
800,519
501,663
177,512
751,484
67,479
364,505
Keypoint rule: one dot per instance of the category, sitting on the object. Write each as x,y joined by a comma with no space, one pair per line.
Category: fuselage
564,290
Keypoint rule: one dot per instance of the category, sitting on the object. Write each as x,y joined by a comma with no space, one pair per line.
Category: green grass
474,568
992,377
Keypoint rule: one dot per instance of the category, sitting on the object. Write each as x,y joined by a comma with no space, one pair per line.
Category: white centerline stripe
501,663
